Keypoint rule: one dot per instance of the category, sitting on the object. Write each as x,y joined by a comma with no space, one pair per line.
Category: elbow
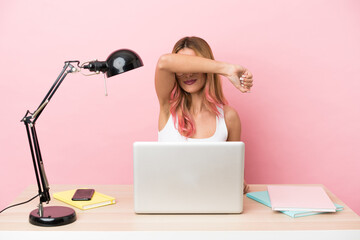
164,62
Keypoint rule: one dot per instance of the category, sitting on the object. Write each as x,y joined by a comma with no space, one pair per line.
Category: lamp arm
29,120
54,88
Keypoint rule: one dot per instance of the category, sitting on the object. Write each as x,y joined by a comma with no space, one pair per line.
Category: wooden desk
121,217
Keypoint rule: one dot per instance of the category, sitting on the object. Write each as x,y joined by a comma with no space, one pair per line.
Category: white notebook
300,198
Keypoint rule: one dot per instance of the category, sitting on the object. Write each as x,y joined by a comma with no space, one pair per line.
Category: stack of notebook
296,201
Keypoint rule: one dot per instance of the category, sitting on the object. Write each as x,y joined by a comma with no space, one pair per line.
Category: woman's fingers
246,80
242,82
243,88
248,74
248,84
246,188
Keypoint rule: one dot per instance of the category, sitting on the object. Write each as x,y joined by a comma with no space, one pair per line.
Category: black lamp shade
122,60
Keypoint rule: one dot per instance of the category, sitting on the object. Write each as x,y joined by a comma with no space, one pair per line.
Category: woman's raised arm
169,64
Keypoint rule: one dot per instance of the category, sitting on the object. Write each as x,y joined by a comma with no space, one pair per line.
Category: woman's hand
246,188
241,78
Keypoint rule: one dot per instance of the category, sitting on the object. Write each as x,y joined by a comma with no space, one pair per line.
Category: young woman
192,104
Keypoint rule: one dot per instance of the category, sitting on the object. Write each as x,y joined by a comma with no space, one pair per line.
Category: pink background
300,123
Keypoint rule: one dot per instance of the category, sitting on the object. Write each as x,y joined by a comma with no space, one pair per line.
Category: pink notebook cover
300,198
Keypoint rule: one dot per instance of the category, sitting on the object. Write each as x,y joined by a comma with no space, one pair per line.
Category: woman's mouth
190,81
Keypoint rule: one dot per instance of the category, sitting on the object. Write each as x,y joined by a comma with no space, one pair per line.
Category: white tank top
170,134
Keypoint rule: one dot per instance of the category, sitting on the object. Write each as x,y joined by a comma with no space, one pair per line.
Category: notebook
97,200
300,198
188,177
263,197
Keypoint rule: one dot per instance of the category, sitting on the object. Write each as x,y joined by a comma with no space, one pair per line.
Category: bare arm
169,64
233,124
234,131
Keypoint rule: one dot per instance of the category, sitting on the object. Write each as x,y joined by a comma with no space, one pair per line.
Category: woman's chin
192,88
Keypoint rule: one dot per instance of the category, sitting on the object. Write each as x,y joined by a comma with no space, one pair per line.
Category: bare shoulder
231,115
233,123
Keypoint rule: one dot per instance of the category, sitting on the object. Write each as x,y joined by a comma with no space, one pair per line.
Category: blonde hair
180,101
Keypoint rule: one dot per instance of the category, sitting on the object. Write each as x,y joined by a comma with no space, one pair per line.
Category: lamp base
53,216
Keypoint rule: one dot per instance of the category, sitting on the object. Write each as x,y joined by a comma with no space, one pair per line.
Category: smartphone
83,195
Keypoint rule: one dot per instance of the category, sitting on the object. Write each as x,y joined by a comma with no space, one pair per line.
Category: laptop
183,177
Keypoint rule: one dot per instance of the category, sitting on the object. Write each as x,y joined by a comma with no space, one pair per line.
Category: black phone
83,195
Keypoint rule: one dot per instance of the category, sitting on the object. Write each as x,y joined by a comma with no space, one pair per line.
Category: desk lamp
120,61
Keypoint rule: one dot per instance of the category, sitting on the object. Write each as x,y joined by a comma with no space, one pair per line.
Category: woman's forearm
180,63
